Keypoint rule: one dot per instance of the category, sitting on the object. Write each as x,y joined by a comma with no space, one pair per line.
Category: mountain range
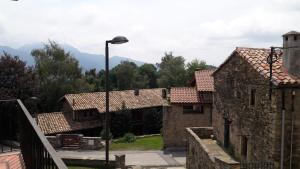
86,60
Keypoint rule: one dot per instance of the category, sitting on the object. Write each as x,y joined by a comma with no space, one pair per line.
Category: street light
116,40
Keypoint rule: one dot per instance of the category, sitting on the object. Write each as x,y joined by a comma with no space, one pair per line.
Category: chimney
164,93
73,102
291,52
136,92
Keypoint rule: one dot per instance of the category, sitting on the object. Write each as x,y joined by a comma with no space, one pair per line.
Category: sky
207,30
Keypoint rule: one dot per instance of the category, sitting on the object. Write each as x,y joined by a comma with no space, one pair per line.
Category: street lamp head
118,40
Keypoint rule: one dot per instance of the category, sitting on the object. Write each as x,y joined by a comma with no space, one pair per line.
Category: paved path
141,158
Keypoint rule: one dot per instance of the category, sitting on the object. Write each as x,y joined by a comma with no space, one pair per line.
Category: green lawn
146,143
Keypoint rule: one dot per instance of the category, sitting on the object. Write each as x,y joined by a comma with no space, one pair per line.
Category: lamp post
35,113
116,40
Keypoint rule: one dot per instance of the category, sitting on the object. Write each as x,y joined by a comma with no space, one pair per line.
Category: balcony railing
16,124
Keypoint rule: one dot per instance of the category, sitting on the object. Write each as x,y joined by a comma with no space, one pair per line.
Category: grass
146,143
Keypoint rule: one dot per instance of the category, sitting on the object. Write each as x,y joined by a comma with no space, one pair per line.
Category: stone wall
199,157
233,84
259,123
175,122
86,143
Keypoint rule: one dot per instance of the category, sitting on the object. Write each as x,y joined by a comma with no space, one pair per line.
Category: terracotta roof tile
96,100
257,58
59,122
11,160
184,95
204,80
189,95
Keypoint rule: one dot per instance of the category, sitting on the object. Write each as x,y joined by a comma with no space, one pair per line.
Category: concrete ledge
204,151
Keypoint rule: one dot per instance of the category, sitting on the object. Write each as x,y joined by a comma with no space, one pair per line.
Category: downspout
282,130
292,130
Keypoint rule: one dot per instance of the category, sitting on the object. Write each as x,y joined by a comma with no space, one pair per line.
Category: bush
129,138
103,135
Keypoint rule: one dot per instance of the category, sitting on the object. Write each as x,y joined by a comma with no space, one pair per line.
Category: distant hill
86,60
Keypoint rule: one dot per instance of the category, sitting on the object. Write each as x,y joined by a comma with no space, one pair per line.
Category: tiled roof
257,58
59,122
11,160
204,80
146,98
184,95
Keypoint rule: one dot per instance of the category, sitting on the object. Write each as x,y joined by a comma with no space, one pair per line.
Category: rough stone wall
198,156
296,137
260,124
175,122
292,125
91,143
233,84
86,143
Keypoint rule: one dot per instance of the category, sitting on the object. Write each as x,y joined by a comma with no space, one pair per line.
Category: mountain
86,60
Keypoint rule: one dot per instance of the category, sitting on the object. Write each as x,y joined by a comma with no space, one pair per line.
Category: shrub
103,135
129,138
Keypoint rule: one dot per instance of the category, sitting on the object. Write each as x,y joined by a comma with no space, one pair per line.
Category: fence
257,165
18,125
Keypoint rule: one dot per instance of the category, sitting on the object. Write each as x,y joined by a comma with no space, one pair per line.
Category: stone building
189,107
85,112
253,119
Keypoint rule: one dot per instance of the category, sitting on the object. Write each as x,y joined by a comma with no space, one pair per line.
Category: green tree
123,76
121,122
17,81
147,74
171,71
59,74
195,65
153,121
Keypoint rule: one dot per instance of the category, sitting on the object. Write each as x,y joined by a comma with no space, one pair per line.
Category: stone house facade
253,119
189,107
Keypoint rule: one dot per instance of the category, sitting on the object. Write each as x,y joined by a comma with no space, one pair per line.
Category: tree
147,73
171,71
195,65
17,81
121,122
59,74
123,76
153,121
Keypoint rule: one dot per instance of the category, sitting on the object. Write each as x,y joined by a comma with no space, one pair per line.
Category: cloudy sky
208,30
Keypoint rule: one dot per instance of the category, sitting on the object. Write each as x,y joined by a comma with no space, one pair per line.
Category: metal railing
36,150
257,165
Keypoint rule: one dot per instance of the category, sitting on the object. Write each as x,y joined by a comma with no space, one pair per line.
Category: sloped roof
59,122
257,58
189,95
204,80
11,160
96,100
184,95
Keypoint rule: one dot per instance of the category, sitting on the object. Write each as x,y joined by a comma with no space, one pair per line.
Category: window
188,109
244,146
252,97
85,114
193,109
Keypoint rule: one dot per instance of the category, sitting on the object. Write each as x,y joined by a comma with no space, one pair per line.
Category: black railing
36,150
257,165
